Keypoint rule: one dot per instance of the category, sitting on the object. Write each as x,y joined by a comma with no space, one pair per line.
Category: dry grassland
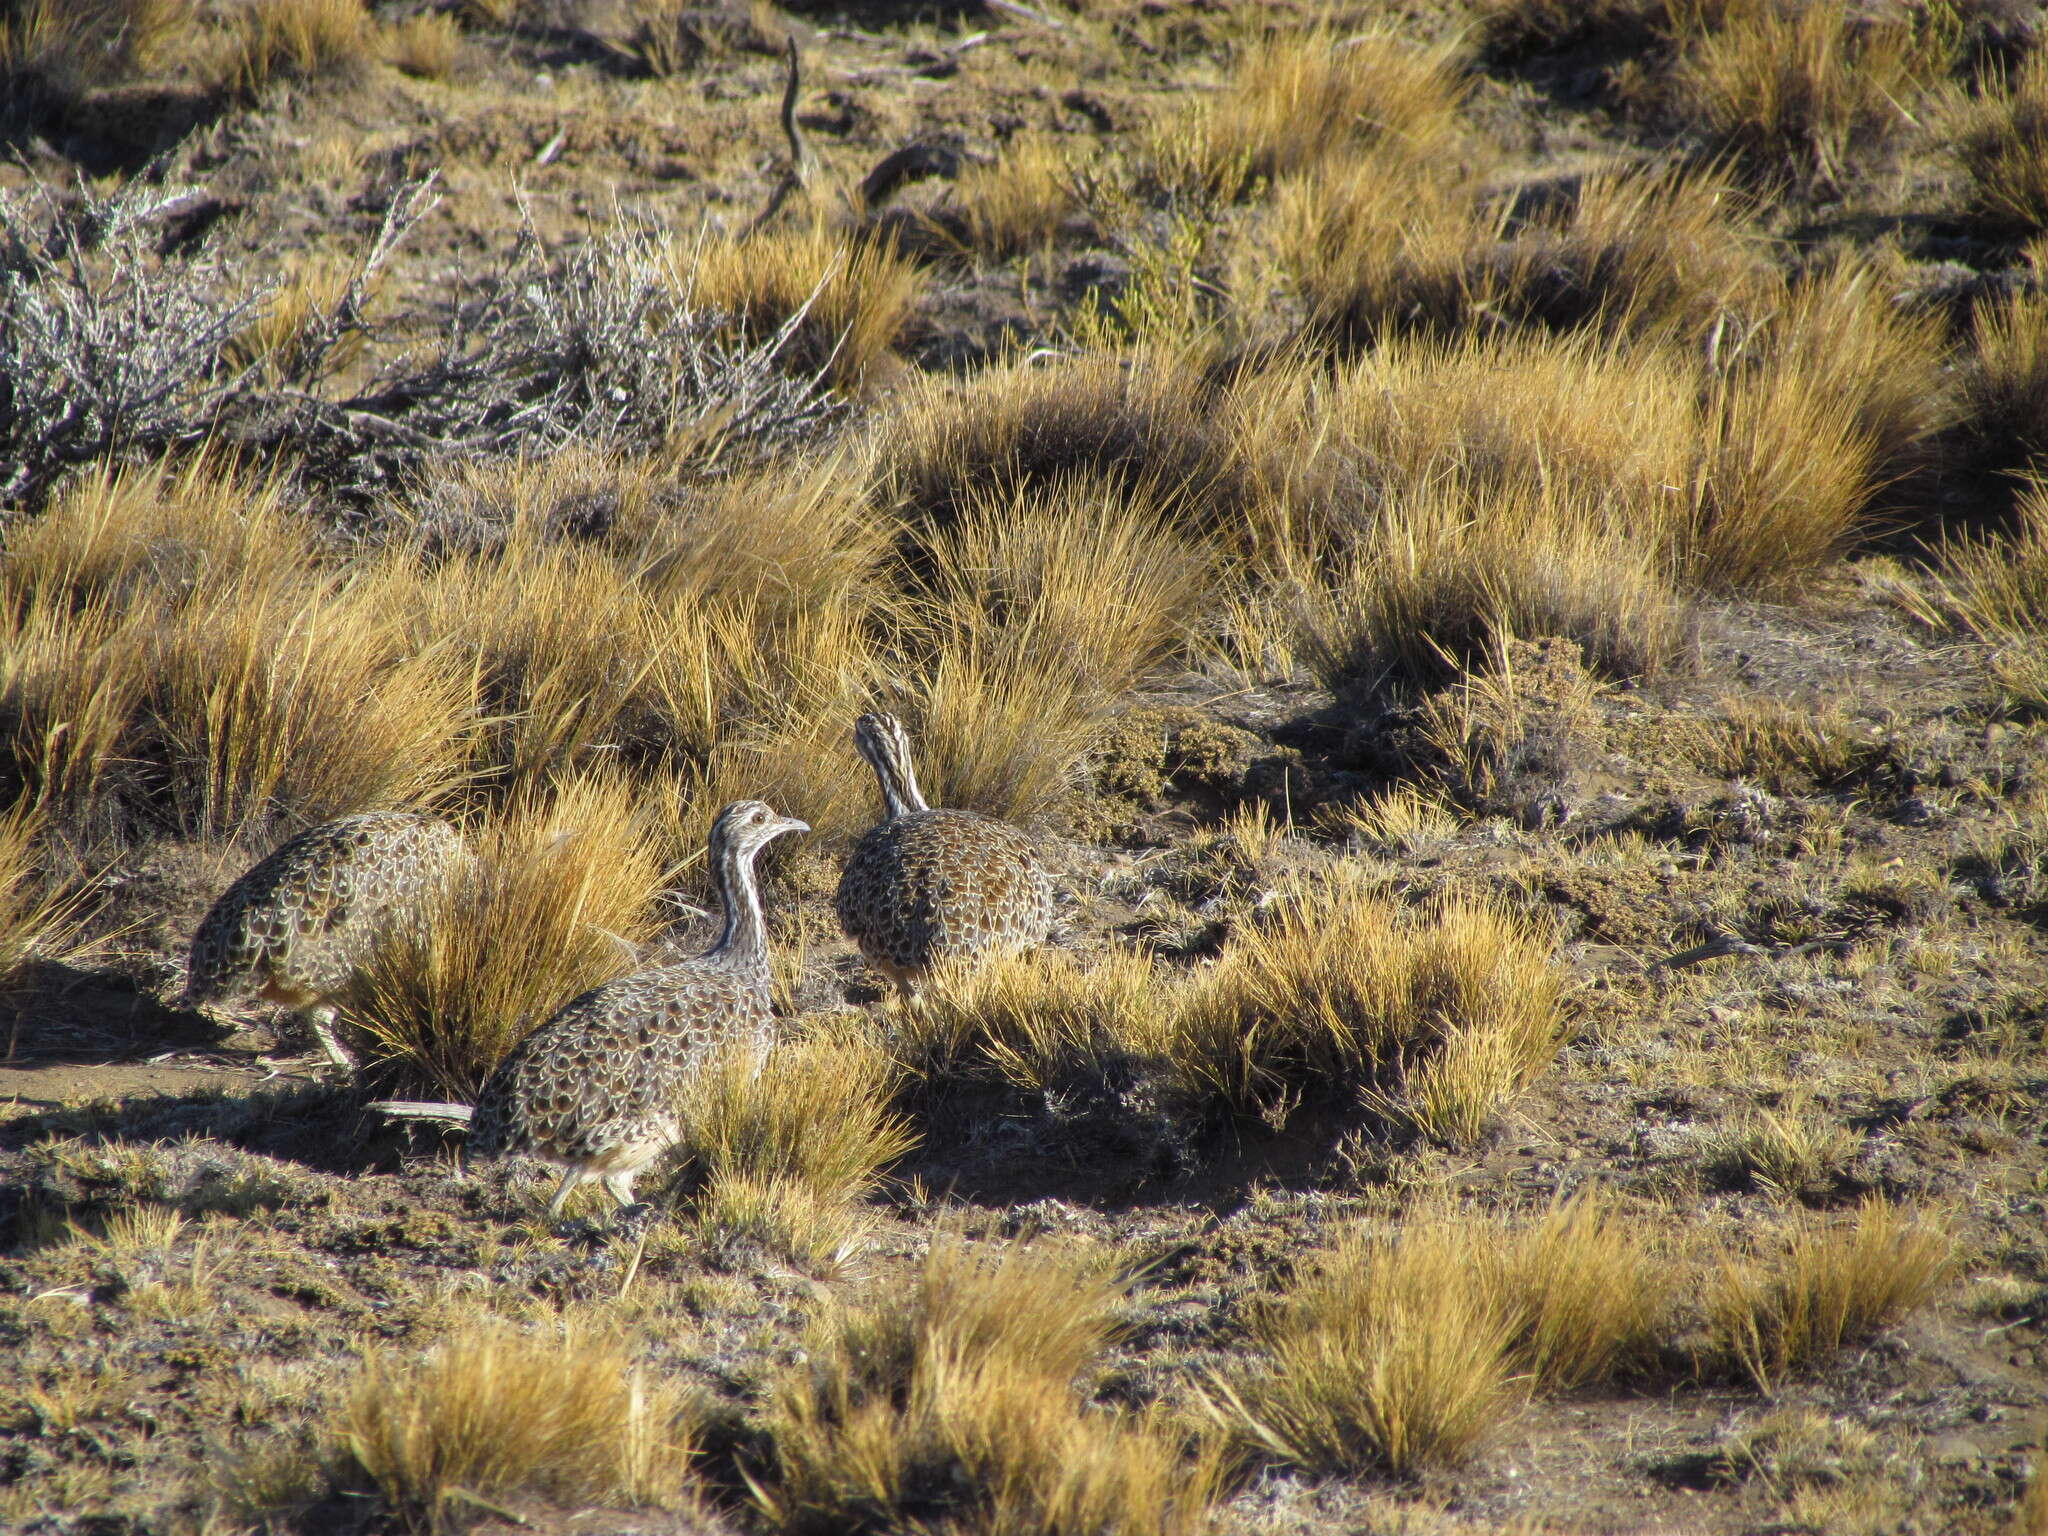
1498,547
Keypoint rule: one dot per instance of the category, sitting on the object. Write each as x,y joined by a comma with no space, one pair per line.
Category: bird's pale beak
791,824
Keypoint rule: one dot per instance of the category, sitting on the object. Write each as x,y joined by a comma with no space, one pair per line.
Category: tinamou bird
923,885
594,1090
297,927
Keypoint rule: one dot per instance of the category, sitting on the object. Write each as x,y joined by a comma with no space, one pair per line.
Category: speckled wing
942,882
306,916
600,1078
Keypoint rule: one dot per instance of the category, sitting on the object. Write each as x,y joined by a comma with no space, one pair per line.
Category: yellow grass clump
2002,137
493,1416
276,40
1296,98
2006,387
1018,203
1035,1021
576,875
959,1402
36,919
1440,1014
1137,422
1833,1282
1803,84
1406,1350
423,46
860,292
69,46
786,1149
1038,611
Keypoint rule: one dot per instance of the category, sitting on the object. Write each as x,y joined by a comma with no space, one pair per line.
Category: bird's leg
322,1019
571,1182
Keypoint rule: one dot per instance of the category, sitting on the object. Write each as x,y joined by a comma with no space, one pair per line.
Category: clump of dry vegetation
1805,86
1833,1282
578,873
784,1149
2003,143
1296,98
492,1413
962,1399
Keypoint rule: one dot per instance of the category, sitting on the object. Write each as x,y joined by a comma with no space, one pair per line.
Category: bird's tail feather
417,1109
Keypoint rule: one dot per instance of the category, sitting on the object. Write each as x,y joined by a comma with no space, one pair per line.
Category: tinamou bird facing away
296,928
924,884
594,1090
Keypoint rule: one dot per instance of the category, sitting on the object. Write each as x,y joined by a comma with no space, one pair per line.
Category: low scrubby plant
1439,1015
784,1147
1823,1283
492,1415
575,874
962,1401
1295,98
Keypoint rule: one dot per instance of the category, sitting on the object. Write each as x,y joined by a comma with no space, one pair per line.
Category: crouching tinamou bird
594,1089
296,928
926,884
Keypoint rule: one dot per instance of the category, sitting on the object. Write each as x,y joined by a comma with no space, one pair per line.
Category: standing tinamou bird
923,885
594,1089
298,926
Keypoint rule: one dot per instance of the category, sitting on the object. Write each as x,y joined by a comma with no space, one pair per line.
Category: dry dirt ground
1842,947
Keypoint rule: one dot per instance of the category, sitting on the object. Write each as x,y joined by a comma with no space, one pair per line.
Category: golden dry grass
2006,386
1037,611
1441,1014
74,45
576,874
297,40
1035,1021
1447,571
784,1152
1782,744
958,1400
860,292
492,1415
1135,422
2002,139
1385,1357
300,709
37,920
1801,85
425,46
1297,98
1829,1282
1018,203
308,294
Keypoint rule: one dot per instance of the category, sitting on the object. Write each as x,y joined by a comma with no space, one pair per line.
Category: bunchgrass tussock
1297,97
2002,139
167,534
298,708
1135,422
576,874
299,40
1399,1351
1018,203
494,1415
37,919
1438,1014
785,1147
1448,571
2005,384
1824,1282
1386,1357
961,1400
860,292
423,46
1801,88
1037,1022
